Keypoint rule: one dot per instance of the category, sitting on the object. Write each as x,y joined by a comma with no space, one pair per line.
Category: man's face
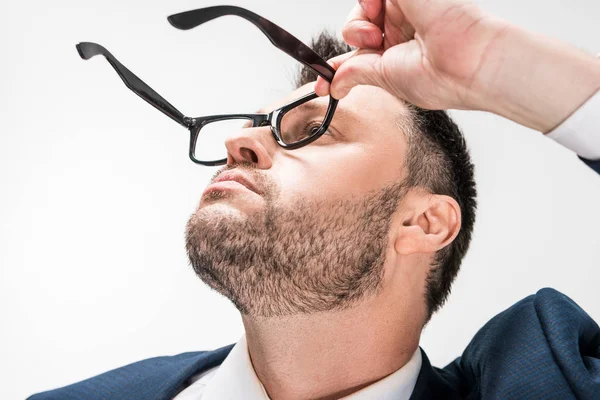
315,236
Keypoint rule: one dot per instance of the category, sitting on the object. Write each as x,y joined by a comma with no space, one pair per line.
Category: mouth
231,180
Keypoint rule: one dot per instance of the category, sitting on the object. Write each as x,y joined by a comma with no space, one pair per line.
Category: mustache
247,167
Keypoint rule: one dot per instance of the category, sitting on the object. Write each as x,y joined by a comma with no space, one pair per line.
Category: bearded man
338,253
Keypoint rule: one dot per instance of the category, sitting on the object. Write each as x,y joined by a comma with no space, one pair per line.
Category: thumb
372,8
363,68
322,86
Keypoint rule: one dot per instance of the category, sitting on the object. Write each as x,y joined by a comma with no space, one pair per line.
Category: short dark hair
438,161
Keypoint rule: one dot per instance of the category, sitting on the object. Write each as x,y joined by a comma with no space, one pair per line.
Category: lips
238,177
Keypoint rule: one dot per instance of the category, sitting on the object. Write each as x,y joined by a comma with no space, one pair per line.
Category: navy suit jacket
595,165
543,347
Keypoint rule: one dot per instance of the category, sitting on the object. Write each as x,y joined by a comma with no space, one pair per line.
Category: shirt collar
236,379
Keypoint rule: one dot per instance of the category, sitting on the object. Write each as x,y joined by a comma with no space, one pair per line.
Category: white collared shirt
235,379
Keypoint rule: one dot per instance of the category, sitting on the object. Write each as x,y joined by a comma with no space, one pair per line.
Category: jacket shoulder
544,346
152,378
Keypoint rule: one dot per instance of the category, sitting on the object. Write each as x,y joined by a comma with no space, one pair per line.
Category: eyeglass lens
296,125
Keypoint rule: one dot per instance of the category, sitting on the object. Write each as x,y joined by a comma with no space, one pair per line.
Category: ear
426,223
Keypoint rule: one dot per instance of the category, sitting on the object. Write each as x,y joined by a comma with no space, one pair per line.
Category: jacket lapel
157,378
434,383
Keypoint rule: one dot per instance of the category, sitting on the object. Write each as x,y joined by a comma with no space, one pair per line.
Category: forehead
367,98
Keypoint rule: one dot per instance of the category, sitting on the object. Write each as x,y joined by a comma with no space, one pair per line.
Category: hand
432,55
440,54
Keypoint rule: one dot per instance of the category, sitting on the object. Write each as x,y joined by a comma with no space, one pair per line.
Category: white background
96,186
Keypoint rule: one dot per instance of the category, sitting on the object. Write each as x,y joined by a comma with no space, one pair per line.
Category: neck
332,354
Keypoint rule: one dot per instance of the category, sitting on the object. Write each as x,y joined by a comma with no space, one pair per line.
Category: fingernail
361,2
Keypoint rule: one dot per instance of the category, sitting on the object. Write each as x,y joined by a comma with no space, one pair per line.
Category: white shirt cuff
581,131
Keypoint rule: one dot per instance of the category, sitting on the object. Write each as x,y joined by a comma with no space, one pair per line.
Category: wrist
534,80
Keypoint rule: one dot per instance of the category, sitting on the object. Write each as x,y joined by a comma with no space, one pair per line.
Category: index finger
372,8
361,31
322,86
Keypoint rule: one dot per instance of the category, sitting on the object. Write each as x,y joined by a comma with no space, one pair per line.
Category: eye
303,130
313,127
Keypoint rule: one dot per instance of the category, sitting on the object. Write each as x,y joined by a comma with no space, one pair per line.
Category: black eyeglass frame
278,36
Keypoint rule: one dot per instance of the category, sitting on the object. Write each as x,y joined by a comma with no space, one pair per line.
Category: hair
437,160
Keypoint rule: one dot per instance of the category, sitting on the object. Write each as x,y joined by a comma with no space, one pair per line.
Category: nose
251,145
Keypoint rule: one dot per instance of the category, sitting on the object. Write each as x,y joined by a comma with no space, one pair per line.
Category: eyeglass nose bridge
259,120
271,120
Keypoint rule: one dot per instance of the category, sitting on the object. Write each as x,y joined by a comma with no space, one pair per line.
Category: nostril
249,154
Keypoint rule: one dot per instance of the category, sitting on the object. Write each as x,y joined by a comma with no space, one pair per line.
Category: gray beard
304,257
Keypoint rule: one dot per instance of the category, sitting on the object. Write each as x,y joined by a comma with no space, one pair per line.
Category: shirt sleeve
581,131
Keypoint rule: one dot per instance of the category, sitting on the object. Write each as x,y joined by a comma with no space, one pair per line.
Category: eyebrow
341,114
311,106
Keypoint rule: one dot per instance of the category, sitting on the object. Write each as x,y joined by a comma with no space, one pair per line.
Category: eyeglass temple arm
88,50
282,39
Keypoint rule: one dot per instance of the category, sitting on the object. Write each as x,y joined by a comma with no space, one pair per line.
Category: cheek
332,172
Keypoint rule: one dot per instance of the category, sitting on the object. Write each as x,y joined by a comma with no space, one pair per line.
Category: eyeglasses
291,129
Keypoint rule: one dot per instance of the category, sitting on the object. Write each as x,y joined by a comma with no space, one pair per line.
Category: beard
305,257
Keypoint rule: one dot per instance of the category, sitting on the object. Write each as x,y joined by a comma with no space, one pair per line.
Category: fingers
322,86
362,68
362,31
372,8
